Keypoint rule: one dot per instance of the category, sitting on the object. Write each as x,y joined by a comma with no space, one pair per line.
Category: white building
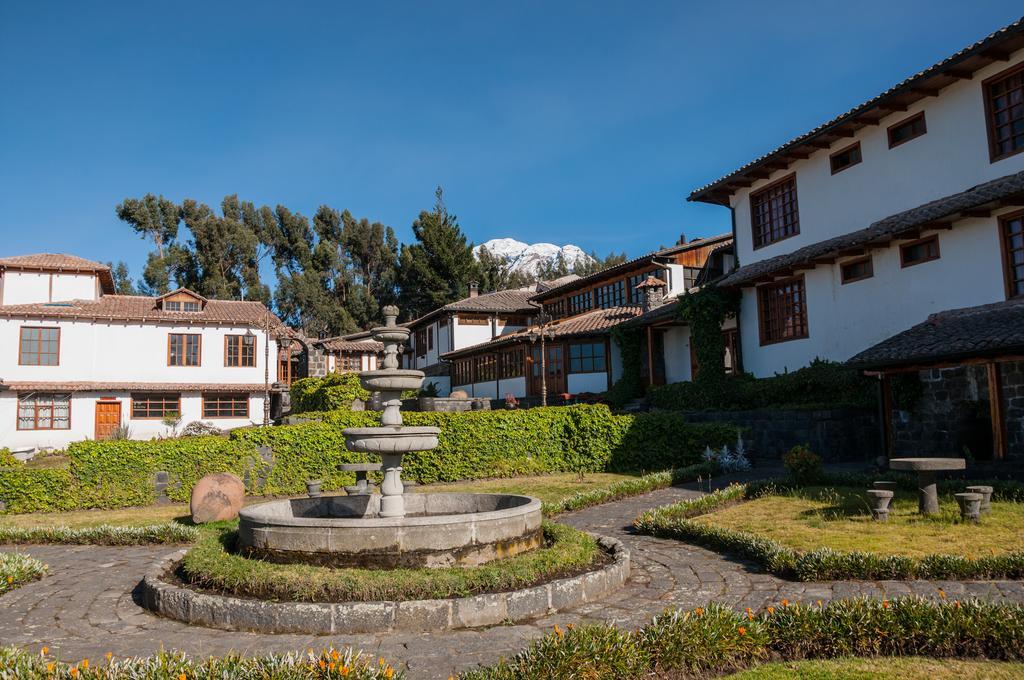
906,205
351,353
79,362
580,356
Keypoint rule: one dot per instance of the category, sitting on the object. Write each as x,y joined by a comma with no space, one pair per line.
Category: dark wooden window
512,363
636,296
462,372
240,350
581,302
228,405
856,270
474,320
919,251
155,406
421,342
350,363
39,347
731,341
773,212
611,295
845,158
44,411
556,310
782,308
587,357
183,349
485,368
430,338
1004,106
907,129
1012,229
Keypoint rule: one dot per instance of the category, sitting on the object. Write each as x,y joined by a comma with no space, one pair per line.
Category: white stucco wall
83,420
587,382
468,335
27,287
514,386
677,354
846,319
952,156
443,384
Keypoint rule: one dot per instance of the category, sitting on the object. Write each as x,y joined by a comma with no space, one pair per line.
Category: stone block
423,615
363,617
528,603
482,610
566,592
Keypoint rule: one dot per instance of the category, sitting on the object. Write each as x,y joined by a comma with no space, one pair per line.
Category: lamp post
542,332
266,368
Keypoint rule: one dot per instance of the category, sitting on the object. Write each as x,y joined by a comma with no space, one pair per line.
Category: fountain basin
391,380
438,530
391,439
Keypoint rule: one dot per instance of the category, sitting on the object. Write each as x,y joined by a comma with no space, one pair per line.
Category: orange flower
334,654
10,579
942,593
109,655
785,603
771,610
389,672
74,672
819,603
49,667
344,671
699,611
182,676
330,666
558,631
323,665
45,651
85,663
885,604
743,631
956,603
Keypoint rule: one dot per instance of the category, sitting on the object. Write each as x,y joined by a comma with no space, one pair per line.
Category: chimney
682,240
474,289
654,293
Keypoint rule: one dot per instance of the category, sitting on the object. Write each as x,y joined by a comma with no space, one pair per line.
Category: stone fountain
394,528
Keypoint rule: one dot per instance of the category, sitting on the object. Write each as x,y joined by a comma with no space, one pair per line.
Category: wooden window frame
421,343
512,363
592,357
986,84
345,362
199,359
844,279
135,397
231,337
754,195
910,244
908,120
430,338
22,329
1005,252
474,320
832,158
761,312
35,420
215,395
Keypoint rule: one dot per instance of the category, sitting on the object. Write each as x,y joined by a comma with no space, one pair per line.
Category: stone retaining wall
324,618
842,434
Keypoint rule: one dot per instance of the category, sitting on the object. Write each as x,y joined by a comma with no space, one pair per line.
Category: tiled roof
59,262
145,309
596,322
883,231
581,282
544,286
918,85
80,386
507,301
344,344
665,312
957,334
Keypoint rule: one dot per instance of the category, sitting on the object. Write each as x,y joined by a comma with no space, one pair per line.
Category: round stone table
927,469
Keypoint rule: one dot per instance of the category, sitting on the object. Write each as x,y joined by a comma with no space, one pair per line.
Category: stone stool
986,496
313,488
362,486
885,486
880,499
970,506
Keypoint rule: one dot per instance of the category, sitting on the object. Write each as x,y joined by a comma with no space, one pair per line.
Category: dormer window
180,306
181,300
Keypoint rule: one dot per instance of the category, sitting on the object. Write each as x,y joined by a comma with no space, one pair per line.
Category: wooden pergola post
995,404
887,414
650,355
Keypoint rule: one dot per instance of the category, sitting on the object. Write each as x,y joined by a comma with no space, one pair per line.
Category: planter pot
986,496
313,488
879,499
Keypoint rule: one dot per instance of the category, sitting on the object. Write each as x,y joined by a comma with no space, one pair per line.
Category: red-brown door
555,365
108,418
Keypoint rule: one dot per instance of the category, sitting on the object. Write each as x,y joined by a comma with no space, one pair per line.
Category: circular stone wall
324,618
439,530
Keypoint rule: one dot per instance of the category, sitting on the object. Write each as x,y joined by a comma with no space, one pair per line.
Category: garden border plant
17,569
716,639
211,565
824,564
168,533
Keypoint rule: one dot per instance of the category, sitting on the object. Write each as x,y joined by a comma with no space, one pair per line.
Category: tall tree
496,273
437,268
225,252
122,280
597,263
157,219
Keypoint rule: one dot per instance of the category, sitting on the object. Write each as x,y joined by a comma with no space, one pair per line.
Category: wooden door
555,365
108,418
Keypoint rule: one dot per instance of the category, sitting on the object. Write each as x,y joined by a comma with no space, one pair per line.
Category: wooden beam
887,414
993,54
977,212
937,225
842,132
959,73
995,405
925,91
911,368
892,107
825,260
851,252
798,155
741,183
819,145
870,121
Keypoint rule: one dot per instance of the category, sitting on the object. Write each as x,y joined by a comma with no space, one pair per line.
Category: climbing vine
631,384
705,311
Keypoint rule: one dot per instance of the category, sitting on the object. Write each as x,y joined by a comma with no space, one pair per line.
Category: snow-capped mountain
527,258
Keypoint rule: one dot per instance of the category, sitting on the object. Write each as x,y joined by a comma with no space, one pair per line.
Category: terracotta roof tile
507,301
883,230
971,332
85,386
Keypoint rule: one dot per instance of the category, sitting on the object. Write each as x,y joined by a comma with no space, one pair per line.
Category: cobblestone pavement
85,607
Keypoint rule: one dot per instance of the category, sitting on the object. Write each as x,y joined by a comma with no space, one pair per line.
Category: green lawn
548,488
905,668
840,519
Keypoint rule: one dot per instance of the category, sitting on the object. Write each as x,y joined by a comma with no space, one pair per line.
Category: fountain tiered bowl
394,528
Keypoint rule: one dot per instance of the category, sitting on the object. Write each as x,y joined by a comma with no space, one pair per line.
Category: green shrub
7,459
104,534
331,392
716,638
25,489
16,662
803,465
823,384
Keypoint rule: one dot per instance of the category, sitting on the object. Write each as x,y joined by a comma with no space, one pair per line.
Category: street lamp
542,331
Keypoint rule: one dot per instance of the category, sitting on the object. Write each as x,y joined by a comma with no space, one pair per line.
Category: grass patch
104,534
17,569
122,517
212,565
909,668
546,488
840,519
326,663
717,639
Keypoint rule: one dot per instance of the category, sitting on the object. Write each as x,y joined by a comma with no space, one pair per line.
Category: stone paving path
85,607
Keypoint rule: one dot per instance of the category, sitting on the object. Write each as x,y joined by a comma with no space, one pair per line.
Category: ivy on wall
630,384
705,311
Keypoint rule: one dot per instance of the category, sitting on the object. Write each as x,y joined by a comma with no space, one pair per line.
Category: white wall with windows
28,287
54,420
951,156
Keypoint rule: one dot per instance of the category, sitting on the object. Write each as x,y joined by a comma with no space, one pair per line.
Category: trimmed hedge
716,639
333,391
473,445
824,564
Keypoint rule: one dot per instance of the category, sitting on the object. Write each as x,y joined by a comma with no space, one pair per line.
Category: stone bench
362,486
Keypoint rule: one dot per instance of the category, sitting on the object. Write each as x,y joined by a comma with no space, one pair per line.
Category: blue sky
583,123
